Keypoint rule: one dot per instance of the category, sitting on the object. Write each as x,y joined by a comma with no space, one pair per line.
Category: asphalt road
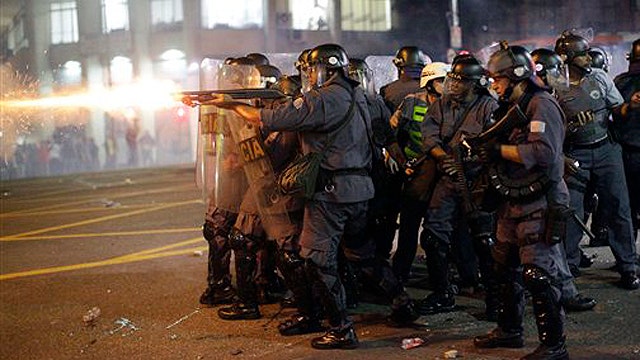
129,244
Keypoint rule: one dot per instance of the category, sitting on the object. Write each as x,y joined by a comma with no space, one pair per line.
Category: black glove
488,153
449,165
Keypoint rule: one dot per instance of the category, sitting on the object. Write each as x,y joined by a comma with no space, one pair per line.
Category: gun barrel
236,94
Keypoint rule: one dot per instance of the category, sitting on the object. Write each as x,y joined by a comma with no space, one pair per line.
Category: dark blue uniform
587,106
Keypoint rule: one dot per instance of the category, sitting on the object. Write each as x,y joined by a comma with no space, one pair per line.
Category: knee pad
535,278
242,243
211,231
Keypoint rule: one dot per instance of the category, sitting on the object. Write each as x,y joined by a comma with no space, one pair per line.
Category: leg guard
546,306
246,265
511,299
292,267
219,256
437,252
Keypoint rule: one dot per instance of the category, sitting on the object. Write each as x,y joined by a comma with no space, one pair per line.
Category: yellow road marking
118,233
114,261
163,248
92,198
70,211
95,220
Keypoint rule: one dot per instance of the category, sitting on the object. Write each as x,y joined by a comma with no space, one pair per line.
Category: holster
556,219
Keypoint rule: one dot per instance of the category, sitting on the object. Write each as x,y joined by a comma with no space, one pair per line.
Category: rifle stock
500,131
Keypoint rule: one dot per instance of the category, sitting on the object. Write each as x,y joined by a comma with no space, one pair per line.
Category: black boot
239,311
442,299
499,338
436,303
344,338
545,352
629,280
300,325
403,312
579,303
509,332
217,294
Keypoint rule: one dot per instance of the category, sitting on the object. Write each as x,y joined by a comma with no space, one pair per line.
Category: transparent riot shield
383,69
265,197
219,164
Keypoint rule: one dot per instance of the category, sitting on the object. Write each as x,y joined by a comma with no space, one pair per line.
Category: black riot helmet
550,68
269,74
360,71
467,67
258,59
409,56
545,60
599,58
326,60
512,62
570,45
634,55
287,85
332,56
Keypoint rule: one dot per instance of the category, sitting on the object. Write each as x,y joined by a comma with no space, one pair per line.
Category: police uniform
587,107
521,251
339,208
446,124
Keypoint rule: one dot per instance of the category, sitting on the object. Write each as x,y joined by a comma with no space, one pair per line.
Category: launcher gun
201,96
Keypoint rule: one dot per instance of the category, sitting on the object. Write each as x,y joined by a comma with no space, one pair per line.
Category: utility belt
326,177
594,145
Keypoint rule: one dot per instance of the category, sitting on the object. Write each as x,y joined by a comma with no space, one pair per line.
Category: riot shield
219,164
267,200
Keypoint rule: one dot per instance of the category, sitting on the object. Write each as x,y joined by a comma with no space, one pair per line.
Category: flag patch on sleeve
537,126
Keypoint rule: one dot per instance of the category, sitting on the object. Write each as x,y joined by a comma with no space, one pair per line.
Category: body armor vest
586,111
415,113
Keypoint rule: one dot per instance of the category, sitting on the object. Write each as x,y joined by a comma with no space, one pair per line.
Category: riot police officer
409,61
338,209
587,103
464,111
528,153
548,65
420,178
626,126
